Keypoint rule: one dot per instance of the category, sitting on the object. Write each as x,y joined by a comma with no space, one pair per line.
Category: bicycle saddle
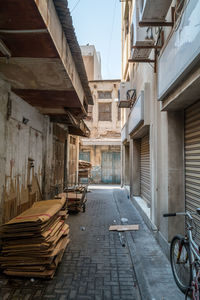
198,210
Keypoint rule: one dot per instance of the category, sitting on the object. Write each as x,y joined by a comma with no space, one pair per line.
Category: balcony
139,118
182,51
137,114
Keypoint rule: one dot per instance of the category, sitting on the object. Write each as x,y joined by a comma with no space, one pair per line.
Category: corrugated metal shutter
192,160
110,167
106,167
145,183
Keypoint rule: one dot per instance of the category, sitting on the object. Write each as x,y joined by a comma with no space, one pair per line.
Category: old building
161,110
44,96
103,147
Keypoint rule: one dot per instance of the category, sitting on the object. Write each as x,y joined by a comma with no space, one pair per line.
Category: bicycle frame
195,256
194,253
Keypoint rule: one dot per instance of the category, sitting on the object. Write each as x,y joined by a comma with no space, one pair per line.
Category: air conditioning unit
154,10
126,95
140,37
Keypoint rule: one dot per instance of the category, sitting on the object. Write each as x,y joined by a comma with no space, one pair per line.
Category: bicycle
185,258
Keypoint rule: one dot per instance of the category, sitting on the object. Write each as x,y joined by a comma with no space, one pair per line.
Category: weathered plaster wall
73,153
31,155
24,160
104,129
4,96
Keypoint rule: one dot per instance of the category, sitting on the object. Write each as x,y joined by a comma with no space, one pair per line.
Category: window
84,156
89,114
104,95
105,112
72,140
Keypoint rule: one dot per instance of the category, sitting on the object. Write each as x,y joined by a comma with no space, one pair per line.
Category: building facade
44,96
160,110
92,62
103,147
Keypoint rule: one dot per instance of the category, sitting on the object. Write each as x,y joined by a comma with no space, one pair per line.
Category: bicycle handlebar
169,215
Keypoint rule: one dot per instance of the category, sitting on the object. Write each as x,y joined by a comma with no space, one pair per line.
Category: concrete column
122,165
4,113
135,167
176,194
126,165
77,158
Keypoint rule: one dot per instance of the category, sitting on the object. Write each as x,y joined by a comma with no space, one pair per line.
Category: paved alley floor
95,265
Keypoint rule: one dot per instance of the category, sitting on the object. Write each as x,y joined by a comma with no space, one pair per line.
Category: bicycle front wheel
180,259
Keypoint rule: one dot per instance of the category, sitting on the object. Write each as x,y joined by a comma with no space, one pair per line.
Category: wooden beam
147,47
155,24
141,60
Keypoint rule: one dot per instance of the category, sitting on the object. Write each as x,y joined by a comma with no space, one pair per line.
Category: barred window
104,95
90,111
105,112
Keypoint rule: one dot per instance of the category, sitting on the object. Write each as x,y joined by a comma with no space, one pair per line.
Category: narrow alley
99,126
95,265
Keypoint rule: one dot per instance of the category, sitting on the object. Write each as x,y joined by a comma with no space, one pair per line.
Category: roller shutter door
110,167
145,183
192,160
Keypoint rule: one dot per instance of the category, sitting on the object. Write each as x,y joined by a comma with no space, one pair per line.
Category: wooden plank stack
33,243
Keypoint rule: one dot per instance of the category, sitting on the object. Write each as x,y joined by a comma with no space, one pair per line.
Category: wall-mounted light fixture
25,120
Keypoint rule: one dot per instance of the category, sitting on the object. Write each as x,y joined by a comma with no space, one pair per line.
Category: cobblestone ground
94,266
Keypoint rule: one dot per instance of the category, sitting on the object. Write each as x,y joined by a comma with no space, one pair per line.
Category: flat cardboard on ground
123,227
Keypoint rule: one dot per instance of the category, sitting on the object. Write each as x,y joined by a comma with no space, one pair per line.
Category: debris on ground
123,227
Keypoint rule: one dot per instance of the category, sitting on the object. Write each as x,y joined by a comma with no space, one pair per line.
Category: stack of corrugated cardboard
33,243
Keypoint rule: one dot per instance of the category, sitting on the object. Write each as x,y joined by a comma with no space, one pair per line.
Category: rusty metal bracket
155,47
146,61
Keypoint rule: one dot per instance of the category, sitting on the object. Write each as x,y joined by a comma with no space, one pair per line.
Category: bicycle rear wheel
180,258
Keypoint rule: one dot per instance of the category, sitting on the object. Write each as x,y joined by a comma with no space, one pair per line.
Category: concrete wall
166,131
4,98
92,62
22,148
104,129
105,135
29,160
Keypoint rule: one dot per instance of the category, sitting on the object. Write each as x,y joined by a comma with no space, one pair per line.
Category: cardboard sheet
33,243
123,227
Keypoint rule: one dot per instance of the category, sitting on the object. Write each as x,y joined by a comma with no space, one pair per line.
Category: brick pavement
94,266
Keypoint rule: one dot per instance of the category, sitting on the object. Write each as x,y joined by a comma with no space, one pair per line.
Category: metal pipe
23,31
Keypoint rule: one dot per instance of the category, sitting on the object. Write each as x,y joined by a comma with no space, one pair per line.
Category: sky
98,23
